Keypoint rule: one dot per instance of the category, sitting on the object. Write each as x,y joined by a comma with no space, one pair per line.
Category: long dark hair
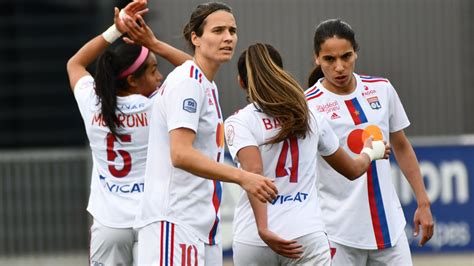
325,30
107,82
276,92
197,21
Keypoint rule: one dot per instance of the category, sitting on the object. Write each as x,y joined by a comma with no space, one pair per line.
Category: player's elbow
177,158
353,175
69,65
356,169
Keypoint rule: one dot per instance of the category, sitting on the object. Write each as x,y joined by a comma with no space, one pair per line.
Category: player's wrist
111,34
369,152
376,152
423,203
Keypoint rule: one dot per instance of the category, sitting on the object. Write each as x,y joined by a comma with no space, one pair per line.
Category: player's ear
241,82
195,39
132,82
316,60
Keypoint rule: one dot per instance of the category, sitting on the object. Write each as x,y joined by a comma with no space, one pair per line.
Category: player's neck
341,90
209,69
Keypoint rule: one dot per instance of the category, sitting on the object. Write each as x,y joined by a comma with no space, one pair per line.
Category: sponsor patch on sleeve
230,134
189,105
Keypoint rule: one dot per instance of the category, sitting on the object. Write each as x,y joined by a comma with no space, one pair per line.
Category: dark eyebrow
224,27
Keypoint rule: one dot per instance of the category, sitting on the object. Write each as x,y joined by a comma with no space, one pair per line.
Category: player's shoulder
186,72
316,117
314,92
375,85
369,79
246,113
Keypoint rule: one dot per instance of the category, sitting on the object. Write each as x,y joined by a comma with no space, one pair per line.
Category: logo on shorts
189,105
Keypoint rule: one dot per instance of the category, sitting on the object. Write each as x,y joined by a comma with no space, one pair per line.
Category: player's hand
128,12
424,218
141,1
139,32
287,248
369,144
259,186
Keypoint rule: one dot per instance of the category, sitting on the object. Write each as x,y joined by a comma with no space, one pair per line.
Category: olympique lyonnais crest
374,102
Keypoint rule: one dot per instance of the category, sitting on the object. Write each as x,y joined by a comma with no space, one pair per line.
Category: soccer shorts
396,255
315,252
166,243
112,246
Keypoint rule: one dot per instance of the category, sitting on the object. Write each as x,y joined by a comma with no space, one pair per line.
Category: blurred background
424,47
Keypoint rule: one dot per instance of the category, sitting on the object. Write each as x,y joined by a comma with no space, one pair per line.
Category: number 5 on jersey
112,155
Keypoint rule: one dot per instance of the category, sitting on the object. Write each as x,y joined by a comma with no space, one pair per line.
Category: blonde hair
277,93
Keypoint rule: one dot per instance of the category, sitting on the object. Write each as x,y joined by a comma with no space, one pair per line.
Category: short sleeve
84,93
328,141
238,135
398,119
183,101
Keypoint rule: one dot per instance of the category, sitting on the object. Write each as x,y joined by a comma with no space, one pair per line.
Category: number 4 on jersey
281,169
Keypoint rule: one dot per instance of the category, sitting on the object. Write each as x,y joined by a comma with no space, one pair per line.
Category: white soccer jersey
118,162
186,100
291,163
364,213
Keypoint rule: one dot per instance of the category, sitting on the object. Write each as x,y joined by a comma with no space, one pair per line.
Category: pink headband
138,62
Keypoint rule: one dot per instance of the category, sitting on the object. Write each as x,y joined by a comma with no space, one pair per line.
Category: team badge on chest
374,103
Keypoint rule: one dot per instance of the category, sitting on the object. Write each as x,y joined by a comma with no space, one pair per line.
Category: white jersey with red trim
185,100
118,171
291,163
365,213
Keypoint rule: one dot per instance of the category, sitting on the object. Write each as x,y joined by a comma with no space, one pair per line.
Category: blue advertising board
447,172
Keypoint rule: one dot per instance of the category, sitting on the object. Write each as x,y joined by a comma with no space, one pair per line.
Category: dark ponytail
107,84
315,74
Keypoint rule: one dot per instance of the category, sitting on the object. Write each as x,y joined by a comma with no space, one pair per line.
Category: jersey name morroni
124,120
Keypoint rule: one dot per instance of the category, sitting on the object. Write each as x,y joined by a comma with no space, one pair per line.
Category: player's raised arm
87,54
140,33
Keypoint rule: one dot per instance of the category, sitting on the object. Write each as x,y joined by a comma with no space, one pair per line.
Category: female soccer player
179,214
115,106
277,135
364,219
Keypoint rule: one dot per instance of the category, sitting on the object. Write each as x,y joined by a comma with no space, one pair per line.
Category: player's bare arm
87,54
251,160
140,33
406,159
352,168
183,155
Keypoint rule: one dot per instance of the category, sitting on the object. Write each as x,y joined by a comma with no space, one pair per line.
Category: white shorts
315,252
166,243
396,255
112,246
